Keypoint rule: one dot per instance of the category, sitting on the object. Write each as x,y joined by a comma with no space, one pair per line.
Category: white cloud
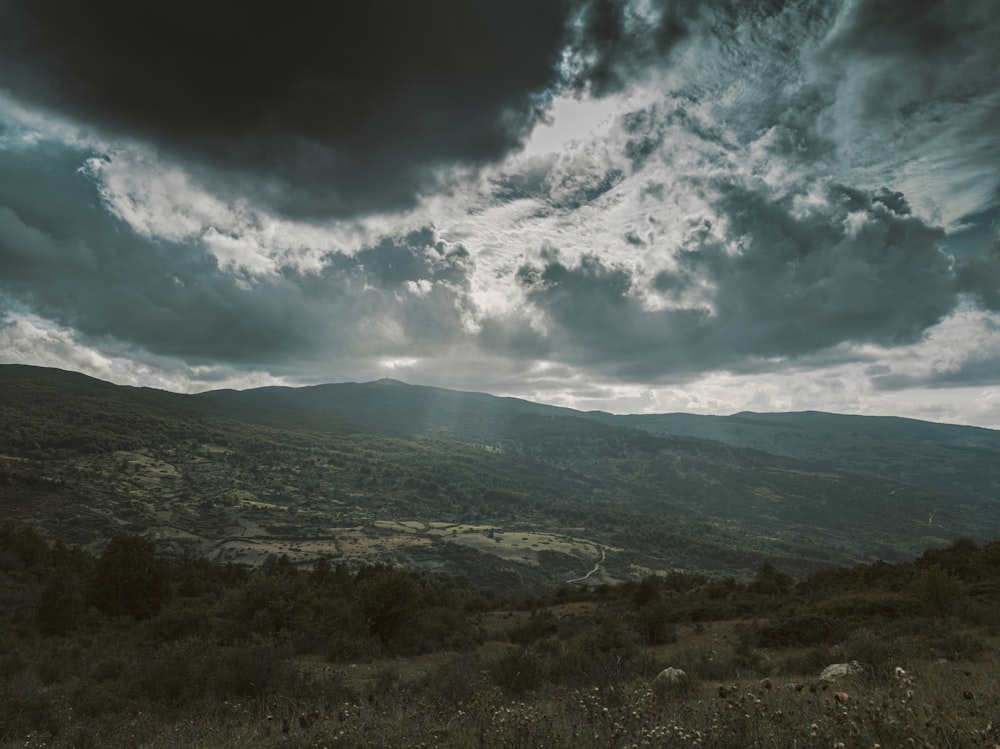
570,119
35,341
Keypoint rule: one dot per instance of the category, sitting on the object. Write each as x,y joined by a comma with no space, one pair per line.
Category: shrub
60,605
453,682
864,606
707,665
128,579
938,589
250,671
540,624
800,630
879,654
518,670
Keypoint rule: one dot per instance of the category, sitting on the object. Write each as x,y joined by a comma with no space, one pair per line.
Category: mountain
512,494
394,407
955,460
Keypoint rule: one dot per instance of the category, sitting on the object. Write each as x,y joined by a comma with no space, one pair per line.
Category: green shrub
857,607
799,630
251,670
540,624
128,579
453,682
519,670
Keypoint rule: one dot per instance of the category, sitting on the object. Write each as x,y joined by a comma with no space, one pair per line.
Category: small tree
128,579
388,598
60,604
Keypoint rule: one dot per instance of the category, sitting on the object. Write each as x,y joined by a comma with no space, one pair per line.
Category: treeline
53,589
56,589
90,641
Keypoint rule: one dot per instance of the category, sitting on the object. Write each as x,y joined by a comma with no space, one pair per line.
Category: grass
447,701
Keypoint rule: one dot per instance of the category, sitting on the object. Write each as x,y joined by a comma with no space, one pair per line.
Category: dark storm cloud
616,42
922,31
909,71
809,279
979,274
858,268
593,317
62,257
322,107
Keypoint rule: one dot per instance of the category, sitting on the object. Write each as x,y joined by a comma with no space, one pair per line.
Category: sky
706,206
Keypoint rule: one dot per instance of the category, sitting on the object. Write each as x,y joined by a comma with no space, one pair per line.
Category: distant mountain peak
388,381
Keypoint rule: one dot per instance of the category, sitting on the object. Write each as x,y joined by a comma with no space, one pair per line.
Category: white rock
671,675
839,670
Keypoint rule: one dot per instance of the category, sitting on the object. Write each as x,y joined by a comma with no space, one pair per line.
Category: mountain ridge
499,488
830,439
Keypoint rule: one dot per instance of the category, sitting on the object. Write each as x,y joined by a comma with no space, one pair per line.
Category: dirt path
597,566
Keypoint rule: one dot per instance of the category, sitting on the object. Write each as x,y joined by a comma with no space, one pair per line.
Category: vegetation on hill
127,648
953,460
514,495
378,565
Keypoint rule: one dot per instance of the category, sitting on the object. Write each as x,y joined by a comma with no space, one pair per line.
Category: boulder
839,670
670,676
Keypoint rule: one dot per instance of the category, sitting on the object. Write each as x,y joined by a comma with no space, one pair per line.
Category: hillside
955,460
511,494
951,459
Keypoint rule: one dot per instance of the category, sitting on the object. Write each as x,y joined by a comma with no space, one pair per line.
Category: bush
798,631
519,670
654,623
879,654
707,665
128,579
453,682
250,671
540,624
864,606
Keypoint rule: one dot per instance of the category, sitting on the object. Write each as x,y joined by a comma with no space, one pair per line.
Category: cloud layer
784,192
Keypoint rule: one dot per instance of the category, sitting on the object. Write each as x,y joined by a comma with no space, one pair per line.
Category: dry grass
936,710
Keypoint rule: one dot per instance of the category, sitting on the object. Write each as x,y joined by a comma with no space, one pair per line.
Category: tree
128,579
60,604
771,582
388,598
21,547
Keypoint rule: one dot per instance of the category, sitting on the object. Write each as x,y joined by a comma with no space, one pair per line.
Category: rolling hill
512,494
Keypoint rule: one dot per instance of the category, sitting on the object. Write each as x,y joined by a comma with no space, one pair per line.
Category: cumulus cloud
70,262
963,351
772,279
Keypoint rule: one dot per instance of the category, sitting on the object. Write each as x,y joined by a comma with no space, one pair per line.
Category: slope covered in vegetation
126,648
515,495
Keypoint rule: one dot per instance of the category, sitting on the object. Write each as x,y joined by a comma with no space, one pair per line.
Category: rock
670,676
839,670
